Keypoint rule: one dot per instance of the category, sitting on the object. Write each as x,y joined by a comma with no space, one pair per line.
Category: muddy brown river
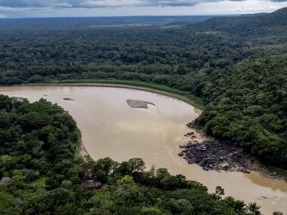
110,127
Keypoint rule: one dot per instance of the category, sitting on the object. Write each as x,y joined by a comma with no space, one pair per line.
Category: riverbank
138,85
267,171
272,172
223,155
110,128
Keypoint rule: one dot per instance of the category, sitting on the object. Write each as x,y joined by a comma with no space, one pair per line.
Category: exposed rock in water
218,155
189,134
68,99
138,104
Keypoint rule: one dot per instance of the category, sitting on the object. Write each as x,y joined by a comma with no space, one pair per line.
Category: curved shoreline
82,150
198,107
172,162
261,169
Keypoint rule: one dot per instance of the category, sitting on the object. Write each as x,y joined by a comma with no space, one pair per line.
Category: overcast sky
79,8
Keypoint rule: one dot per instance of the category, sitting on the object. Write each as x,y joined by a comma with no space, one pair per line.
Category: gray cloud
178,3
103,3
54,3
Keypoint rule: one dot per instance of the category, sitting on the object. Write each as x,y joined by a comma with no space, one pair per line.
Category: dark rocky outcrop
217,155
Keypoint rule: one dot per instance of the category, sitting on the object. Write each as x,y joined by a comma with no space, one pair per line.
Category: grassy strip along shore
155,88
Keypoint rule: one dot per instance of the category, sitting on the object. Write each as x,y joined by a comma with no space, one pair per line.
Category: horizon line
123,16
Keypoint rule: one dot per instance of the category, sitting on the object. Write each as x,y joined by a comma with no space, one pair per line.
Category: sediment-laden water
110,127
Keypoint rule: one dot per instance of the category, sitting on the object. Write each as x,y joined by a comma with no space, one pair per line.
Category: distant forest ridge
117,20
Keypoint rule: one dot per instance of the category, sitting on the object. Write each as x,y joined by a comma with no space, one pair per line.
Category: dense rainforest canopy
42,173
236,65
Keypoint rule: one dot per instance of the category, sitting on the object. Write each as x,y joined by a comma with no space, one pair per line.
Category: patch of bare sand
138,104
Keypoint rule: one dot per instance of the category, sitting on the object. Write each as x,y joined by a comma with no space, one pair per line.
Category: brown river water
111,128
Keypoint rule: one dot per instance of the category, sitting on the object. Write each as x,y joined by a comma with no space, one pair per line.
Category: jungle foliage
236,65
